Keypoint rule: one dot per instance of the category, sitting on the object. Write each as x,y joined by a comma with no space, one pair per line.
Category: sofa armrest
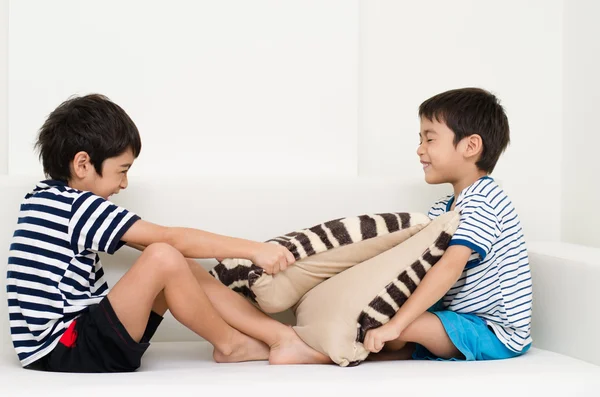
565,295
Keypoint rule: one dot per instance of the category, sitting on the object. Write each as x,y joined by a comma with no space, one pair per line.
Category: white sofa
565,359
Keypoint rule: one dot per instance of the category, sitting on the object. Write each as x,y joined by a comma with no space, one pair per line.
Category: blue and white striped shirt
54,272
496,282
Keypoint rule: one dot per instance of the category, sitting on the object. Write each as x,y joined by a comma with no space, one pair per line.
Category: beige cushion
280,292
334,316
321,252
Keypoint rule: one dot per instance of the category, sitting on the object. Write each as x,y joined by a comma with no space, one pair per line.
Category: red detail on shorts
70,336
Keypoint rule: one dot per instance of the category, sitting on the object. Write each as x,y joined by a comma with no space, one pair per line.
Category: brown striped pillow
321,252
334,317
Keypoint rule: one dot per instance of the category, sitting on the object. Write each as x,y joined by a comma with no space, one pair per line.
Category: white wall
581,129
3,87
413,50
216,87
297,87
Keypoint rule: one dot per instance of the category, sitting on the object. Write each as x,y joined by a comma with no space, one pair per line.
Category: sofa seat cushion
186,368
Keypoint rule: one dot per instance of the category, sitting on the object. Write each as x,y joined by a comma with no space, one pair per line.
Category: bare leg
161,268
286,346
427,330
250,350
394,345
402,353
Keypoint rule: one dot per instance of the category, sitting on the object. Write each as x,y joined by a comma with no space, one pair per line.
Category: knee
422,329
165,258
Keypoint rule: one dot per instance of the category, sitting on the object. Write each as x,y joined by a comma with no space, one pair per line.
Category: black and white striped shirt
54,271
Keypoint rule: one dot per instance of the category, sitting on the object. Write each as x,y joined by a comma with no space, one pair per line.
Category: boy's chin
432,180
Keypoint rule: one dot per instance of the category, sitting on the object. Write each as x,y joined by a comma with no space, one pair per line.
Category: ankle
227,345
281,334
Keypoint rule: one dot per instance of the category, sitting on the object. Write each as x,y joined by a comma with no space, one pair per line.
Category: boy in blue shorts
475,303
63,316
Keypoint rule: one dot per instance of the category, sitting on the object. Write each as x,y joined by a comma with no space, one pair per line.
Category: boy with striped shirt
475,303
63,316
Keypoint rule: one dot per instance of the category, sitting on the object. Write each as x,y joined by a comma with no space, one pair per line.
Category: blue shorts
471,336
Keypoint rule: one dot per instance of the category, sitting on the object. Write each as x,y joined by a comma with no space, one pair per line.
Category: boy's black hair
91,123
468,111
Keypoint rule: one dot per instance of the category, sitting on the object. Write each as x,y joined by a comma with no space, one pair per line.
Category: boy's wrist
397,323
254,248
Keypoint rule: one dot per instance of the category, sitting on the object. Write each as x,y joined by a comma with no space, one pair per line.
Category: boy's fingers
282,264
276,268
367,342
372,344
290,258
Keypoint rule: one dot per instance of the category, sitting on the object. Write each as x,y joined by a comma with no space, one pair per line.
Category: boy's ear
474,146
81,164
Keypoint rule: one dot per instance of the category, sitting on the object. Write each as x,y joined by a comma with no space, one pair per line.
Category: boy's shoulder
483,195
85,221
487,202
54,197
485,192
49,198
52,188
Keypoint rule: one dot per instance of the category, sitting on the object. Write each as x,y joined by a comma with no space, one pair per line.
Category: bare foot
243,348
292,350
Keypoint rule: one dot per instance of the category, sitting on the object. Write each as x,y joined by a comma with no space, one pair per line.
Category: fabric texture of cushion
321,252
334,316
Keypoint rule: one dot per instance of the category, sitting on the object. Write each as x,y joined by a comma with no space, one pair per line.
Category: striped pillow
334,317
321,252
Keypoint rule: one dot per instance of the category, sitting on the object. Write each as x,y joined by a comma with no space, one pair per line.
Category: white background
305,88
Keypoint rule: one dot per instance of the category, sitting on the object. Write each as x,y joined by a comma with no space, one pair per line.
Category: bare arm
438,280
195,243
138,247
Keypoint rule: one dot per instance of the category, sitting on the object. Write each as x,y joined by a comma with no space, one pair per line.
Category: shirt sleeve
97,224
478,228
439,207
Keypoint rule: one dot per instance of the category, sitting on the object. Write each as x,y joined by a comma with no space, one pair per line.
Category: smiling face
112,180
442,161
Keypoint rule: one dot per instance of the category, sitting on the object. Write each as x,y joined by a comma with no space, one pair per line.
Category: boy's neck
467,181
78,185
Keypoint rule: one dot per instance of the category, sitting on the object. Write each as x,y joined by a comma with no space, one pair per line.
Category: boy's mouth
425,164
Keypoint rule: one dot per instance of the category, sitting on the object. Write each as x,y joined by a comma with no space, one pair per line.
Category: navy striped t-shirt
496,282
54,271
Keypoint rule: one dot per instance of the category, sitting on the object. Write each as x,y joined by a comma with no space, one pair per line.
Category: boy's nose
420,150
124,182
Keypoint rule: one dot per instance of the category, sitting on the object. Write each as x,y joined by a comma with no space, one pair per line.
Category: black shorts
97,342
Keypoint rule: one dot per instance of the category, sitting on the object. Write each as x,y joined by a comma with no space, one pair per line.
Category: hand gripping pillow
321,252
334,317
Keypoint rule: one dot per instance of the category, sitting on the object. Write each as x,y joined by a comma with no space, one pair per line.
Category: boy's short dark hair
91,123
468,111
